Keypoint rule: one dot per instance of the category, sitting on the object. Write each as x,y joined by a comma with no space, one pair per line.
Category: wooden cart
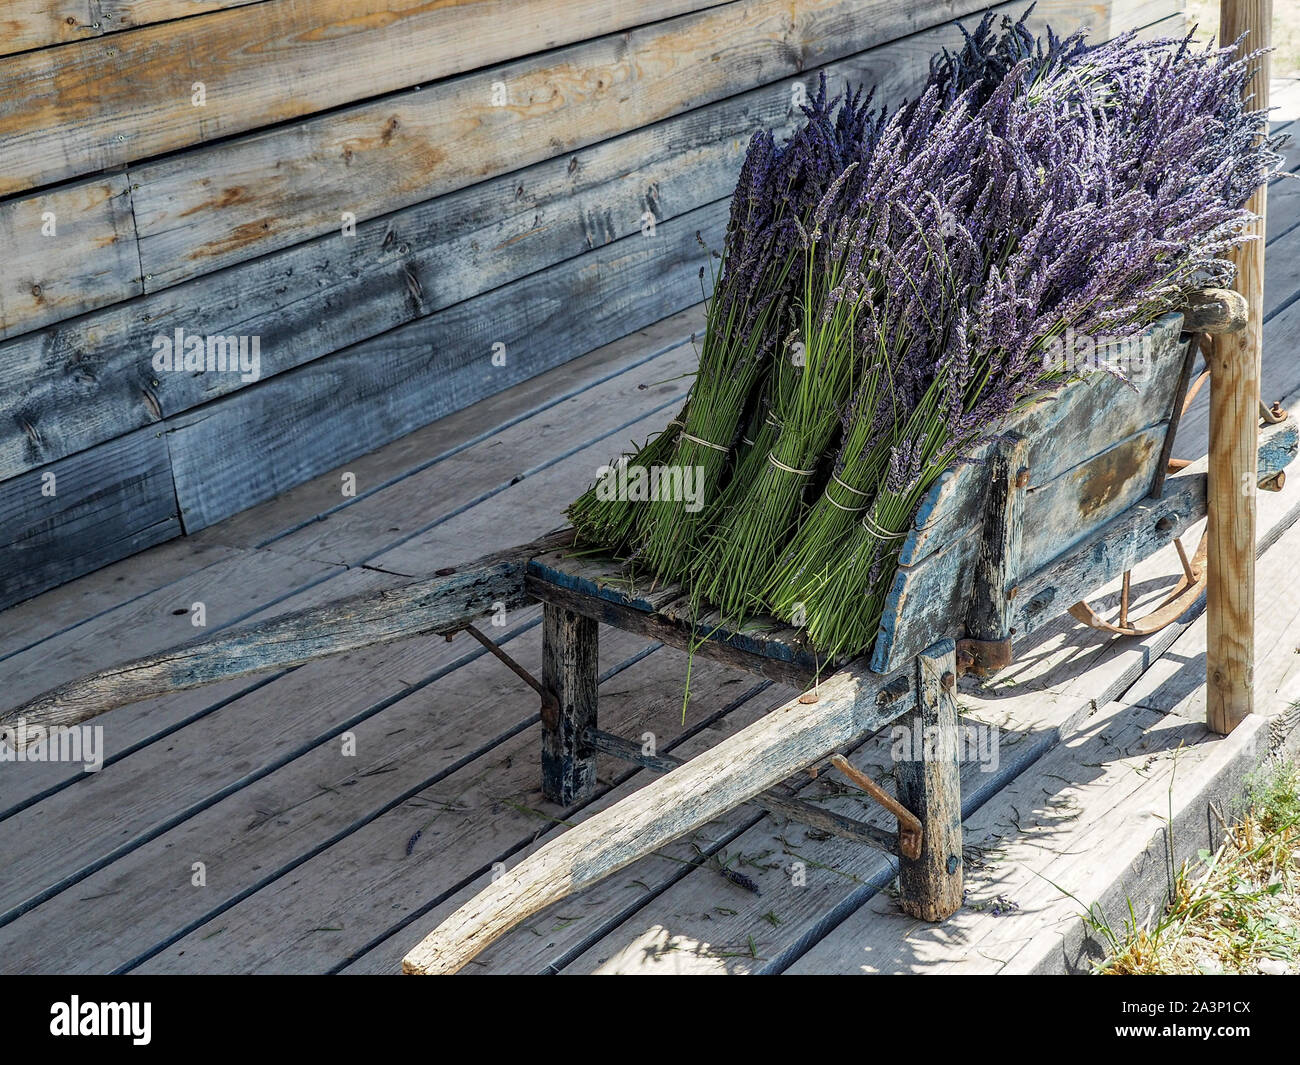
1076,492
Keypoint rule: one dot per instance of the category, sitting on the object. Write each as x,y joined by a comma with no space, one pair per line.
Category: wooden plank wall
410,206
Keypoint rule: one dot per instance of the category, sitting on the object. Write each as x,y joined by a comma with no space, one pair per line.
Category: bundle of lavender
778,189
905,300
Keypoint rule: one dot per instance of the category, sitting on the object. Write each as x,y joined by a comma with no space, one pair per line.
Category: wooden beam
779,800
440,604
666,630
1234,435
570,666
742,766
929,784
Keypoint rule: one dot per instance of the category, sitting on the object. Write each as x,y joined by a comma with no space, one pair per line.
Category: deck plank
129,620
493,808
388,697
660,923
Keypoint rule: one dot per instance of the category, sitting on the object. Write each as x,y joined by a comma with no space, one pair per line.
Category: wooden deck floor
231,830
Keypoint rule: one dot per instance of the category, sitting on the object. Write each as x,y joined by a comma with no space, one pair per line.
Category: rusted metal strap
548,697
983,657
777,800
909,825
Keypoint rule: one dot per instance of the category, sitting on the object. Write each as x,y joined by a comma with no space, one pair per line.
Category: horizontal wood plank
374,392
789,738
66,252
28,24
440,604
108,101
85,512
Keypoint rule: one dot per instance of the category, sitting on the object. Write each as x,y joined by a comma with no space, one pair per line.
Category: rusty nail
1015,590
949,681
1022,478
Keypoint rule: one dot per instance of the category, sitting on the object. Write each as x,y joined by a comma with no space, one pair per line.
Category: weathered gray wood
929,784
601,588
680,925
38,23
740,767
1063,430
435,604
925,601
396,268
374,392
779,800
282,741
231,585
997,566
384,154
1215,310
1063,511
67,251
1116,547
83,512
1136,534
930,597
435,480
399,267
570,656
41,23
658,626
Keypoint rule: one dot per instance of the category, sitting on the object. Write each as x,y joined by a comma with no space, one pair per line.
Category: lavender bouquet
1128,167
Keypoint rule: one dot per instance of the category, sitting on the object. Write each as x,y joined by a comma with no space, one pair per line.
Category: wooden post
1234,438
997,568
570,663
929,784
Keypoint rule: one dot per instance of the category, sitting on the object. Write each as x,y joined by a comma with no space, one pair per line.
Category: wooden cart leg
570,663
930,786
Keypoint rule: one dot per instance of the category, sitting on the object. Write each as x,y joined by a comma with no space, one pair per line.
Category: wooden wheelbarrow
1075,493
